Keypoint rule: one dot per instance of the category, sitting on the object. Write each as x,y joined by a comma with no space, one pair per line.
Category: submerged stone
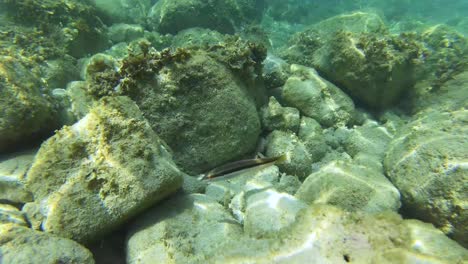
317,98
350,187
13,169
22,245
427,162
91,177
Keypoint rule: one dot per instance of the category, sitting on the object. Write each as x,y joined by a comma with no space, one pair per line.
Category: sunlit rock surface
351,187
22,245
91,177
317,98
427,162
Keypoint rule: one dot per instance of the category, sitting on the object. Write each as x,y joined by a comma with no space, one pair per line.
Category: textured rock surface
276,117
311,133
317,98
13,169
23,245
351,187
298,161
27,112
202,133
196,232
124,11
427,162
170,16
125,32
90,177
355,52
11,215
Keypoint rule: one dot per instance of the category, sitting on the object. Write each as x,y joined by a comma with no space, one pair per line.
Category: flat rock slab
89,178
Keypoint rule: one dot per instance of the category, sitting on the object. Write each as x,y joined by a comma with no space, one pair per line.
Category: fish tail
282,158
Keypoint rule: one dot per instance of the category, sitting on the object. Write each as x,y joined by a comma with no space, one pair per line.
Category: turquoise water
233,131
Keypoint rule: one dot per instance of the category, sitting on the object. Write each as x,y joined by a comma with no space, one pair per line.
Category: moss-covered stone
22,245
224,16
98,173
350,187
27,111
426,161
317,98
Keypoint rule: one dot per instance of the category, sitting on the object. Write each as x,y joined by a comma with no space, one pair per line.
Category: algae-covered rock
27,111
170,16
426,161
23,245
317,98
350,187
311,133
269,212
370,139
125,32
13,169
277,117
183,229
91,177
450,96
205,133
356,22
123,11
374,67
196,37
70,26
275,71
299,160
11,215
195,229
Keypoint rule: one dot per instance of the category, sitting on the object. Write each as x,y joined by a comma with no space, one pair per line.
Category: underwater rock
123,11
27,111
317,98
356,22
13,169
311,134
450,96
182,229
196,229
269,212
169,16
72,27
426,161
350,187
23,245
276,117
11,215
370,139
299,160
196,37
58,72
204,133
374,67
275,71
125,32
91,177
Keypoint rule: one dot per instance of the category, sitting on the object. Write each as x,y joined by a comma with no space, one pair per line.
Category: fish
240,165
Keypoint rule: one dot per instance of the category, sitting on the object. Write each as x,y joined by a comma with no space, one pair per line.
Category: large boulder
169,16
374,67
280,229
91,177
204,112
20,244
123,11
427,162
